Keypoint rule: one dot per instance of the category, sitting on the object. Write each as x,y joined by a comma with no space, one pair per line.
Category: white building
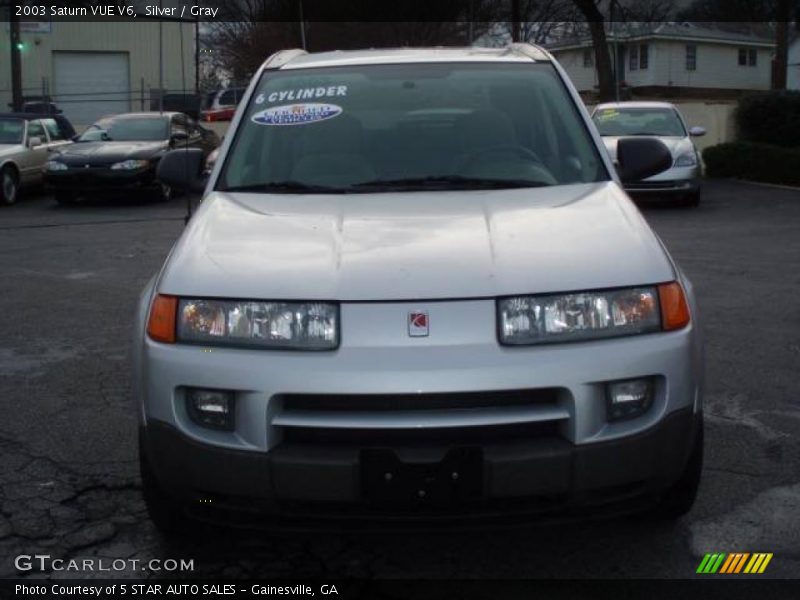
100,67
793,68
671,59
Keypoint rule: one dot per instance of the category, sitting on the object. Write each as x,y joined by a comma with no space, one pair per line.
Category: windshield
127,129
413,126
639,121
11,131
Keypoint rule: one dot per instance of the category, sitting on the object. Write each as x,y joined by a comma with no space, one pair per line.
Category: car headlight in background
292,325
55,165
688,159
550,318
130,165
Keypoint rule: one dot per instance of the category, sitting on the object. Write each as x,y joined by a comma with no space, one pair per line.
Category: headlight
130,165
688,159
578,316
298,325
55,165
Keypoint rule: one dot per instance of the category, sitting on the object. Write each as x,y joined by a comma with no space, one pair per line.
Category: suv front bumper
305,484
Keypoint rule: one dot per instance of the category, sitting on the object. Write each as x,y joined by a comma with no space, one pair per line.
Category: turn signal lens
161,324
674,310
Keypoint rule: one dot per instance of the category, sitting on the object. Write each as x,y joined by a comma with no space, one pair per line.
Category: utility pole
161,61
16,61
302,27
515,21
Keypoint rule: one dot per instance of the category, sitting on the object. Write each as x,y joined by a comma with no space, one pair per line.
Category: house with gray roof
672,60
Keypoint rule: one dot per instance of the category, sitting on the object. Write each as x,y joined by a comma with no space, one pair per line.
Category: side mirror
178,137
182,170
34,141
697,131
640,158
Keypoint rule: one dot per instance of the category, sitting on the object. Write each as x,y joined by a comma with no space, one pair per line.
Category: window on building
748,57
588,59
643,56
633,57
691,57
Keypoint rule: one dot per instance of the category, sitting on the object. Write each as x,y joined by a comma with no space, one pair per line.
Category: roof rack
281,57
529,50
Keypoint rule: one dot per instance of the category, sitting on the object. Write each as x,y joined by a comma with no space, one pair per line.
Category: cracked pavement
69,484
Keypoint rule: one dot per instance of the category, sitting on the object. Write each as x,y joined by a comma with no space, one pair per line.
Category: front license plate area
389,481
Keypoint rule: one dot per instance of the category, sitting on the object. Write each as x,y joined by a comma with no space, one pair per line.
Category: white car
415,288
663,121
26,141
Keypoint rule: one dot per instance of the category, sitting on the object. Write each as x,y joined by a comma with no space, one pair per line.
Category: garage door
89,85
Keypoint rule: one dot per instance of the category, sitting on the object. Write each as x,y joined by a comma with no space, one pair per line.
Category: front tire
166,514
9,185
678,499
163,193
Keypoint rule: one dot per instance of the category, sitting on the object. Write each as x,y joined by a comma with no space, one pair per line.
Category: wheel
9,185
65,198
678,499
166,514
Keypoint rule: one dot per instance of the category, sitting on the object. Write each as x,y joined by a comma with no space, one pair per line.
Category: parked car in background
26,142
220,105
188,104
663,121
41,107
416,289
120,153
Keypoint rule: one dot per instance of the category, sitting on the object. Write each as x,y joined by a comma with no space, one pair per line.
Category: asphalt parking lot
69,485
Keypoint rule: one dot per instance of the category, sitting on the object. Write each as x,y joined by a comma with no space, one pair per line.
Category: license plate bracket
387,480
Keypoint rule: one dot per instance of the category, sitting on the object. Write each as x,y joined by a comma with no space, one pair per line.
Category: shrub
757,162
772,118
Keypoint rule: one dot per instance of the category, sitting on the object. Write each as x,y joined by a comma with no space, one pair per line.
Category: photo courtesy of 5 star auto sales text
459,299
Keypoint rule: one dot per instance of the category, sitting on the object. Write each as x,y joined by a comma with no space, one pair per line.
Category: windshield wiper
455,182
287,187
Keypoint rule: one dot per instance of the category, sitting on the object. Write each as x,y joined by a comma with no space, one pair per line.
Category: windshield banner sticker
297,114
309,93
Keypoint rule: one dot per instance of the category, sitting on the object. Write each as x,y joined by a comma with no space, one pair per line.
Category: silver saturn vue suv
415,289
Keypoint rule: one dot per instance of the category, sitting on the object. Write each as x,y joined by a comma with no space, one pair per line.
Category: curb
779,186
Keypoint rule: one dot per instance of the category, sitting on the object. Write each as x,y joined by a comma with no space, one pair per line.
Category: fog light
210,408
629,398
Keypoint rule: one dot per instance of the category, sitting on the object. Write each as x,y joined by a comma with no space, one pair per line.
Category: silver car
416,288
25,143
664,121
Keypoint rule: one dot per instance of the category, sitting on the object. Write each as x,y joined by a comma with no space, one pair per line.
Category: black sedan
119,154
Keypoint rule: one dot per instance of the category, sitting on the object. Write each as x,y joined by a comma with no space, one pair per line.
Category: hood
676,145
414,245
108,152
6,149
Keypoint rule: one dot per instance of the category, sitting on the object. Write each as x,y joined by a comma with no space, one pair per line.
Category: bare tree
597,28
251,30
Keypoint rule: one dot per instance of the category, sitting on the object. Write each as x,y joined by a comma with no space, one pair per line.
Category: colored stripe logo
734,563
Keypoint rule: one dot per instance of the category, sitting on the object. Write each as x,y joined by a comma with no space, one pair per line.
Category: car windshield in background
410,127
639,121
11,131
127,129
